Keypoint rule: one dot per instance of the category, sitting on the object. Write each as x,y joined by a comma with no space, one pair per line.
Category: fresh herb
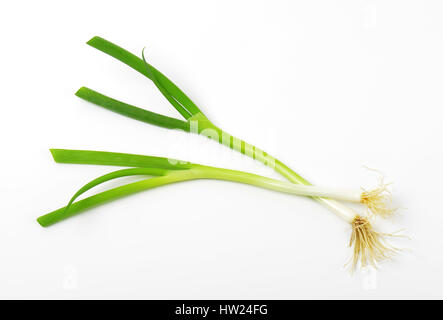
369,246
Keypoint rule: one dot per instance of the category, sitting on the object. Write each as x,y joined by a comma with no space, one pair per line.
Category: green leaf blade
177,105
113,194
116,159
137,64
131,111
99,199
115,175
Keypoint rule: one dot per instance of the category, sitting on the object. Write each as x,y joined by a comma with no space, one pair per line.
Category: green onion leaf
107,196
179,107
116,159
115,175
131,111
137,64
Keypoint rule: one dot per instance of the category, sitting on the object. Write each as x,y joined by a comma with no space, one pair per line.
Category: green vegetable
368,244
200,124
166,173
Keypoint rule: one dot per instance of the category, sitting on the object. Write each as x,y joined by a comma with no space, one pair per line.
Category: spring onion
369,246
164,172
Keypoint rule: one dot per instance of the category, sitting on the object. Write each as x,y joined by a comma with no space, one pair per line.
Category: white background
326,86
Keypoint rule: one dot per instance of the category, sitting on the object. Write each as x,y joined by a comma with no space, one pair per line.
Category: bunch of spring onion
369,246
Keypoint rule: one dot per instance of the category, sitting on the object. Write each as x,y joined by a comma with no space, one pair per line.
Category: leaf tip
42,222
79,92
55,153
93,40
